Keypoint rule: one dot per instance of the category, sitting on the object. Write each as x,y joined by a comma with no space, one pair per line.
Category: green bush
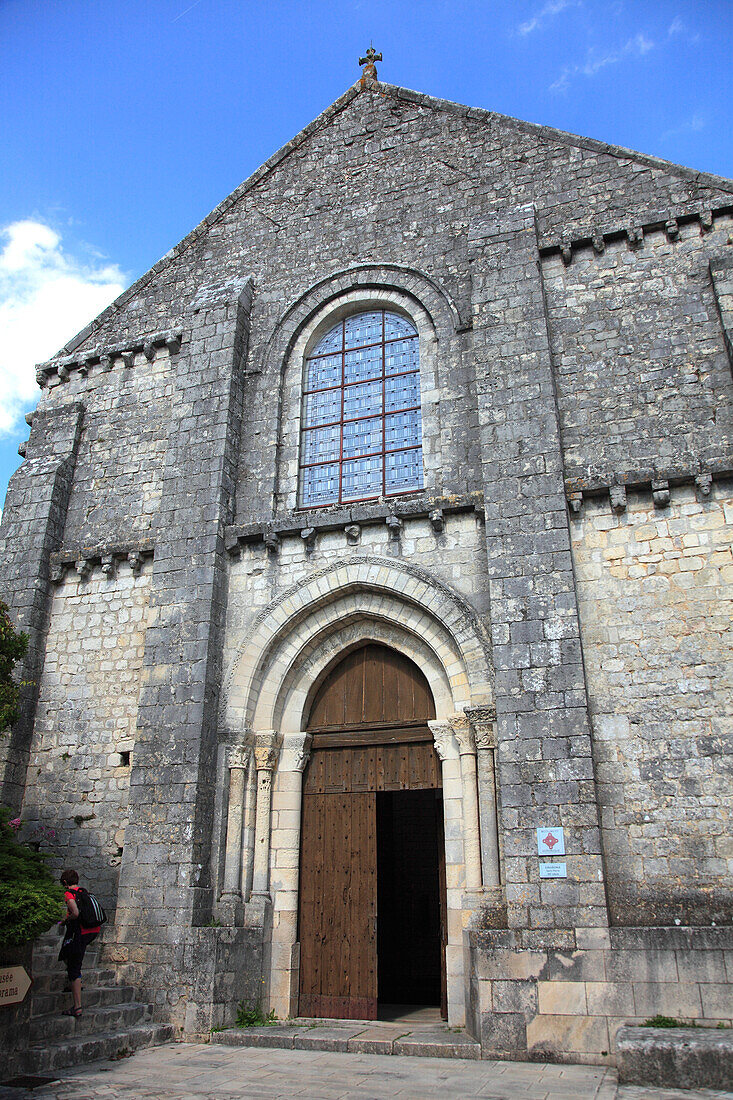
30,900
254,1017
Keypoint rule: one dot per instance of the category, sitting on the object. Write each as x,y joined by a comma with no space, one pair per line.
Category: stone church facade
408,470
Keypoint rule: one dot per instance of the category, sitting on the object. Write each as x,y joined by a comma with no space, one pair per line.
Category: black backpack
91,911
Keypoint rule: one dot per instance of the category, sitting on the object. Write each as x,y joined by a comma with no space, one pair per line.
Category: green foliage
254,1017
12,647
665,1021
30,900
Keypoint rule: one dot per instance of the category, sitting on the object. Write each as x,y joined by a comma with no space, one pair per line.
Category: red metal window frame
342,387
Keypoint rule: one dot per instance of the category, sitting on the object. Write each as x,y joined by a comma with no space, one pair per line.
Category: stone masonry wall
656,603
87,710
641,369
119,467
453,555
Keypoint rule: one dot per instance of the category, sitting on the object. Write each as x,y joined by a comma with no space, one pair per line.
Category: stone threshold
423,1040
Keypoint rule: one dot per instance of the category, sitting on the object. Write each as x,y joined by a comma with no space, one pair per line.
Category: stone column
483,724
230,903
445,746
266,752
471,836
287,817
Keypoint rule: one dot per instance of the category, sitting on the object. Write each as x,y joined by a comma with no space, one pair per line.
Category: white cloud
551,8
637,46
46,297
688,126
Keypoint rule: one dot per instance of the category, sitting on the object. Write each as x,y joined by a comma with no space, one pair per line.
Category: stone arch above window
361,423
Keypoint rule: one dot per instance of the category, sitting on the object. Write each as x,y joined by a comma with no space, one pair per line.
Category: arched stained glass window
361,434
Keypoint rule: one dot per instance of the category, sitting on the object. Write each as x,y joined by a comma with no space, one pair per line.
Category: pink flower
15,823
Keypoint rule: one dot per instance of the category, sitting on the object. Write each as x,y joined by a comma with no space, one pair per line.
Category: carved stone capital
266,750
443,739
483,724
296,751
463,734
239,756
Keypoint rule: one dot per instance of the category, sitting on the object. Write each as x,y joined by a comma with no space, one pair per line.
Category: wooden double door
372,873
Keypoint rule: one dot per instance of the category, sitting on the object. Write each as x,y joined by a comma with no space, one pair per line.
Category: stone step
106,1018
87,1048
55,1000
49,981
370,1037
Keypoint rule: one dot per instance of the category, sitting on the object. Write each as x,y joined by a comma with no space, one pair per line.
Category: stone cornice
103,357
596,237
659,481
105,556
308,524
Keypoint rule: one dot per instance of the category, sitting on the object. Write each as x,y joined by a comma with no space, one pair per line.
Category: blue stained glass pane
322,408
401,392
404,471
323,372
402,430
362,477
364,399
330,342
366,363
321,444
401,356
395,326
320,484
365,328
362,437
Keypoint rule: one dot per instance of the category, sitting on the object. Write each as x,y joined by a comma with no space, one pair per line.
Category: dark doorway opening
409,940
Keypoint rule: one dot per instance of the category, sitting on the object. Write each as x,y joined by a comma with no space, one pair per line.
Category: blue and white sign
551,842
553,870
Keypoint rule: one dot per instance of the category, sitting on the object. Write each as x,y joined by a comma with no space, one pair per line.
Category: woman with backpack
84,918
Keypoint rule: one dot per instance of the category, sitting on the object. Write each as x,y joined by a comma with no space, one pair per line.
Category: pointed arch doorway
372,909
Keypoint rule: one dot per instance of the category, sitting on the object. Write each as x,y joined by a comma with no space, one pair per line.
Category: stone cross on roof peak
369,76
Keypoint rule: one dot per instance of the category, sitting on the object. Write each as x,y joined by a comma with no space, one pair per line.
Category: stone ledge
683,1058
668,221
59,369
589,484
310,523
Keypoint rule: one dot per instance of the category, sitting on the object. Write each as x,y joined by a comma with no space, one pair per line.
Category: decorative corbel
105,362
660,493
618,498
83,567
566,250
308,535
352,532
128,358
394,523
437,520
108,565
599,244
149,350
173,343
672,229
22,448
703,483
271,541
575,501
135,560
635,236
706,220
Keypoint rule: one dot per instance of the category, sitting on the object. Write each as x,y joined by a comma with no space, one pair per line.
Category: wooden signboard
14,984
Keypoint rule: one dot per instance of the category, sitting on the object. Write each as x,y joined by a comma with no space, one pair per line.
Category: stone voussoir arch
379,278
411,591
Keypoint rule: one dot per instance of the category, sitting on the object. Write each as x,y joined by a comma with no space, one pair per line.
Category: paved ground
210,1072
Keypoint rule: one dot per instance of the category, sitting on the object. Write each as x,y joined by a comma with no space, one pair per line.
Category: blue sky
126,121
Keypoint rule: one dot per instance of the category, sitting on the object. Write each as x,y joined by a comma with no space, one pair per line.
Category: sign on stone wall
14,984
551,842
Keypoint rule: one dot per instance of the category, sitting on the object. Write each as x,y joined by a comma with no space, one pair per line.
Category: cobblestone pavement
184,1071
